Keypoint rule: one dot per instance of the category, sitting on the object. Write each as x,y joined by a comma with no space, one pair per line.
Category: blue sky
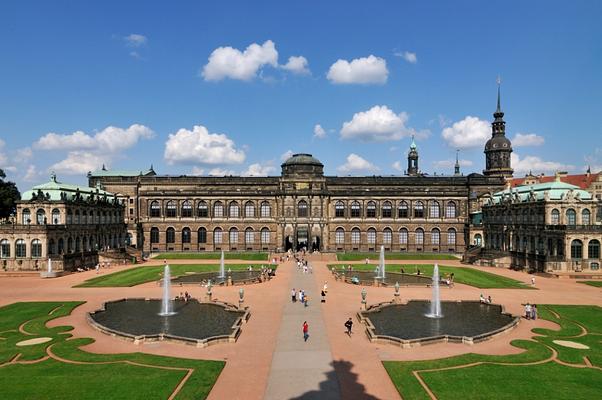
82,84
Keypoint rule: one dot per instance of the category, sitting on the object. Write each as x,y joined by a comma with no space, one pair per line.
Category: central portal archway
302,238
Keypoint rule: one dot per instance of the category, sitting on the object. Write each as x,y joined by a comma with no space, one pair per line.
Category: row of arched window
233,235
20,248
218,209
537,216
571,217
403,236
72,217
418,209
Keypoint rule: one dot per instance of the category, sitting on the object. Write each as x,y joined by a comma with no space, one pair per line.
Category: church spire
457,165
498,148
499,114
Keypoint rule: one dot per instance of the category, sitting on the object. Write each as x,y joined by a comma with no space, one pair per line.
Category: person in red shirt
305,331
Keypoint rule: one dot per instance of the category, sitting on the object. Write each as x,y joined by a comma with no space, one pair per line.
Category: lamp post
241,297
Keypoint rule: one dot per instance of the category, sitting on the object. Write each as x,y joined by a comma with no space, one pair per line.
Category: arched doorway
302,238
288,243
315,245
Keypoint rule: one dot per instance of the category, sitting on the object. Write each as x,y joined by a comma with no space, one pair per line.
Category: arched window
593,249
202,211
85,217
451,236
154,235
585,217
387,210
61,246
371,236
339,236
435,236
171,209
4,248
250,235
402,210
69,245
434,209
26,220
371,210
56,216
85,244
51,247
265,236
155,209
234,210
218,210
419,236
450,210
249,209
576,249
78,244
40,217
186,234
356,209
265,209
233,235
170,235
387,236
355,236
202,235
555,217
186,209
76,219
403,236
217,236
478,239
418,209
20,248
339,209
571,217
302,209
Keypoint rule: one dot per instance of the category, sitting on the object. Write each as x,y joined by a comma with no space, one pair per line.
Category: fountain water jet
49,266
381,263
222,272
436,300
166,302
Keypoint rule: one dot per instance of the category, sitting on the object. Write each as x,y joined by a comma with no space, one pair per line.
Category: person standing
293,295
305,331
305,300
349,325
323,296
534,312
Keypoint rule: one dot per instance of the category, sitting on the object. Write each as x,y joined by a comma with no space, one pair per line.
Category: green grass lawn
492,380
467,276
95,376
228,255
358,256
592,283
139,275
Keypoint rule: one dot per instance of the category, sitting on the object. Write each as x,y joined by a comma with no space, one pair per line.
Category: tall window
265,210
356,209
186,209
249,236
403,236
249,209
435,236
170,235
217,236
302,209
555,217
402,210
56,216
265,236
202,211
186,234
418,209
434,209
355,236
387,210
233,236
218,210
51,247
450,210
571,217
339,209
451,236
419,236
171,209
234,211
576,249
593,249
154,235
371,236
371,210
20,248
26,216
40,217
202,235
585,217
339,236
76,219
78,243
4,248
84,217
387,236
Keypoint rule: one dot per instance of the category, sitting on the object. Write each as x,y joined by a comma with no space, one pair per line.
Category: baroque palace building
303,208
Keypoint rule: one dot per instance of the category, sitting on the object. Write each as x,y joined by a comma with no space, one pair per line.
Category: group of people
485,300
183,296
299,296
531,311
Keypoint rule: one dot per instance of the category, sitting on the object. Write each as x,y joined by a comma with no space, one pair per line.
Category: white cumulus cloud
397,166
378,124
469,132
536,165
356,163
408,56
228,62
319,132
527,139
221,172
363,70
79,162
135,40
286,155
297,65
198,146
258,169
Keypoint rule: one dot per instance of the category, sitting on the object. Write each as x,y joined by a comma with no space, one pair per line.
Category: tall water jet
49,265
436,300
222,272
166,302
381,263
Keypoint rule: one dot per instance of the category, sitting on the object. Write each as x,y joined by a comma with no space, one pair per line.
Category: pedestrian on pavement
325,287
305,331
306,300
294,295
349,325
323,296
300,295
533,280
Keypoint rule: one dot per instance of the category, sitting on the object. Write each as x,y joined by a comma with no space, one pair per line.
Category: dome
302,159
498,142
302,165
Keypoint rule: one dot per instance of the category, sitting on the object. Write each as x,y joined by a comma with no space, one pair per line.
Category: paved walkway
302,370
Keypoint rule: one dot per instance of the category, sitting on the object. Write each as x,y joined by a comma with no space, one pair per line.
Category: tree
9,194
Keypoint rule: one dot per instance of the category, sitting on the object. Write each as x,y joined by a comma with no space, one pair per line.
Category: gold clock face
301,185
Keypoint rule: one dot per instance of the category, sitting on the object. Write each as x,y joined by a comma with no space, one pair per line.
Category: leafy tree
9,194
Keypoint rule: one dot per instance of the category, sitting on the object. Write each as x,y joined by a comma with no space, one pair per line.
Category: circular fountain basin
368,277
462,321
238,277
192,322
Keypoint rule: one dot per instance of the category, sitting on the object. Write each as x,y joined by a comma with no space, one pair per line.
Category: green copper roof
53,189
549,190
302,158
413,144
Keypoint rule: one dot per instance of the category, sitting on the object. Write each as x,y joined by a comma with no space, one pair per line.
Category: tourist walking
305,331
528,310
293,295
305,300
323,297
349,325
533,280
325,287
534,312
300,295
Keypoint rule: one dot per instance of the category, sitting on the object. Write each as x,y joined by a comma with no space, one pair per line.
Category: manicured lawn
467,276
252,256
357,256
519,377
139,275
592,283
87,375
